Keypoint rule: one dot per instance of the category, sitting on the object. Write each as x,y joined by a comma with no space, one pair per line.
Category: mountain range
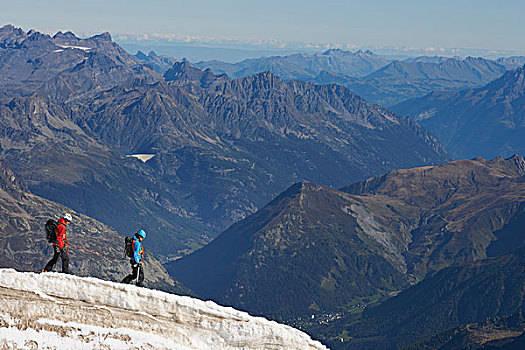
486,121
319,250
373,77
302,66
64,63
318,229
221,148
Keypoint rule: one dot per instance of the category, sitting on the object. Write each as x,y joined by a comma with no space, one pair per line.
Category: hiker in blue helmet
136,260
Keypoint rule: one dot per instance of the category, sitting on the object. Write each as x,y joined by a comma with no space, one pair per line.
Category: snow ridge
53,310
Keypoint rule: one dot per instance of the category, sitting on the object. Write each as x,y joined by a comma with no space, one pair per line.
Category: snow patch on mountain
62,311
143,157
83,48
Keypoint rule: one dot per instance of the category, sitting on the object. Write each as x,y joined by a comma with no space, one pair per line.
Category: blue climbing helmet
142,234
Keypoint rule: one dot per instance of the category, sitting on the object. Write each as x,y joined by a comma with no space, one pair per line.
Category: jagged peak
184,72
36,35
344,52
473,59
9,33
298,188
332,51
7,27
102,37
180,69
10,28
68,35
141,55
519,161
267,75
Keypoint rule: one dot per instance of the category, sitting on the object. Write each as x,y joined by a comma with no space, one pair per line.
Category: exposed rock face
488,121
314,248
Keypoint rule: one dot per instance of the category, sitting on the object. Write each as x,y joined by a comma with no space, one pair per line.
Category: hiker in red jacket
59,246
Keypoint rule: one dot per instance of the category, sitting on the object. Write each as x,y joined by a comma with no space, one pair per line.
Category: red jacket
61,232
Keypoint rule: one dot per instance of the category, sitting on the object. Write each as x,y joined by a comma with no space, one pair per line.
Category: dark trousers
58,253
136,269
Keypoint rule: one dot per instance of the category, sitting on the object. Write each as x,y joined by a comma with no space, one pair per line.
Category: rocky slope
92,314
504,333
487,121
455,296
315,249
24,245
452,211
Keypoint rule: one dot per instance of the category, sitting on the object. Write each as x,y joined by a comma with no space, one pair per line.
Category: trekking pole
138,274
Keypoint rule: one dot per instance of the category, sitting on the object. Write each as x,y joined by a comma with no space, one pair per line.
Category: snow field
65,311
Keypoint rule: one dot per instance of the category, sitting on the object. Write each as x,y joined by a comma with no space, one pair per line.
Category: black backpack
51,235
129,247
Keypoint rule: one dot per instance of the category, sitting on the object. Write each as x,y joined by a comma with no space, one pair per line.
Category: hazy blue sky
487,24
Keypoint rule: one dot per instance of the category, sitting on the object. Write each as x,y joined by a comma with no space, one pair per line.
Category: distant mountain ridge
374,78
472,70
303,66
401,80
487,121
299,119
